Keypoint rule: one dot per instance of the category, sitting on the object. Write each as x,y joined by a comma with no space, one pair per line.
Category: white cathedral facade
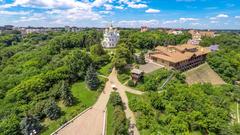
110,37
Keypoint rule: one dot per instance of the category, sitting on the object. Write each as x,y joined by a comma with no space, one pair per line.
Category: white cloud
34,17
138,23
213,18
237,17
108,6
98,3
170,21
150,10
195,24
119,7
105,12
213,21
181,20
222,16
133,3
78,14
49,4
187,19
3,12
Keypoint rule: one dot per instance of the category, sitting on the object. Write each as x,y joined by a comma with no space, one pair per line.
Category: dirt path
122,91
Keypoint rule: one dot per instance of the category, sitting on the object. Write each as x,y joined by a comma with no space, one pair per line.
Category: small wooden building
136,75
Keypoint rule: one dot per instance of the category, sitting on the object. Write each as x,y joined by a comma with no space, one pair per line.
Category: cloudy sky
223,14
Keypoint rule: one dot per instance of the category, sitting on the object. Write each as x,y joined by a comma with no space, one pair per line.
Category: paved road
92,121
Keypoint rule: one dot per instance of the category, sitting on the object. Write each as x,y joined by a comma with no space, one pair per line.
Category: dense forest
182,109
226,61
37,71
199,109
149,40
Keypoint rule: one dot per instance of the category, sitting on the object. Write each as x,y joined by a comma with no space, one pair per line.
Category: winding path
122,91
92,121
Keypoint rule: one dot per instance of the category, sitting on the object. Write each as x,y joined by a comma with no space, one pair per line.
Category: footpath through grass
84,98
117,123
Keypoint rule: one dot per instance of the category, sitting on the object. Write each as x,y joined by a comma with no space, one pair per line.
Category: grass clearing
203,74
110,110
123,77
106,70
84,98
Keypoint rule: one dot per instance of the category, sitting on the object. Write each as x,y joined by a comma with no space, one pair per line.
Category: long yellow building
180,57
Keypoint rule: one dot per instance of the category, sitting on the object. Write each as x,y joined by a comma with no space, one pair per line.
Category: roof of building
214,47
136,71
179,53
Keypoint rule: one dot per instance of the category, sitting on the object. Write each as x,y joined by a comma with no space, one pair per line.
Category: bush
131,83
115,99
53,111
30,125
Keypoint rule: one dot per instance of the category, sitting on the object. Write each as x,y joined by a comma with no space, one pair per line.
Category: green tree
10,125
66,94
115,99
30,125
52,110
97,50
141,58
91,78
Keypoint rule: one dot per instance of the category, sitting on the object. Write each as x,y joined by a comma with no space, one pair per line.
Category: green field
110,114
84,98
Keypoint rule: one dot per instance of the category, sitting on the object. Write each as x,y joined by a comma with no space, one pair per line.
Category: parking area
150,67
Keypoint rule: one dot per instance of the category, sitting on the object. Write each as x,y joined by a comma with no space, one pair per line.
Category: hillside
203,74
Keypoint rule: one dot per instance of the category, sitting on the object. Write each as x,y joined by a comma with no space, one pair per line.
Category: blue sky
205,14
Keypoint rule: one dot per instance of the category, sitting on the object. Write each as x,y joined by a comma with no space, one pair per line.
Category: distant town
31,29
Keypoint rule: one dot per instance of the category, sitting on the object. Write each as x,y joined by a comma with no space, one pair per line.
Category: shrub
131,83
53,111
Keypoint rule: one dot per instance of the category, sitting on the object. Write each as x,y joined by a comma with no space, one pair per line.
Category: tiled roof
179,53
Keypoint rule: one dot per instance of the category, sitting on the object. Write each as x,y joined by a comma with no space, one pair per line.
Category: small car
114,87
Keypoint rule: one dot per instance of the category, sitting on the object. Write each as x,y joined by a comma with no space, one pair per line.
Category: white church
110,37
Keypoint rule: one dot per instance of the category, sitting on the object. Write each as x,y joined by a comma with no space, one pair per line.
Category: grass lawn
105,69
84,98
110,110
132,96
123,77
